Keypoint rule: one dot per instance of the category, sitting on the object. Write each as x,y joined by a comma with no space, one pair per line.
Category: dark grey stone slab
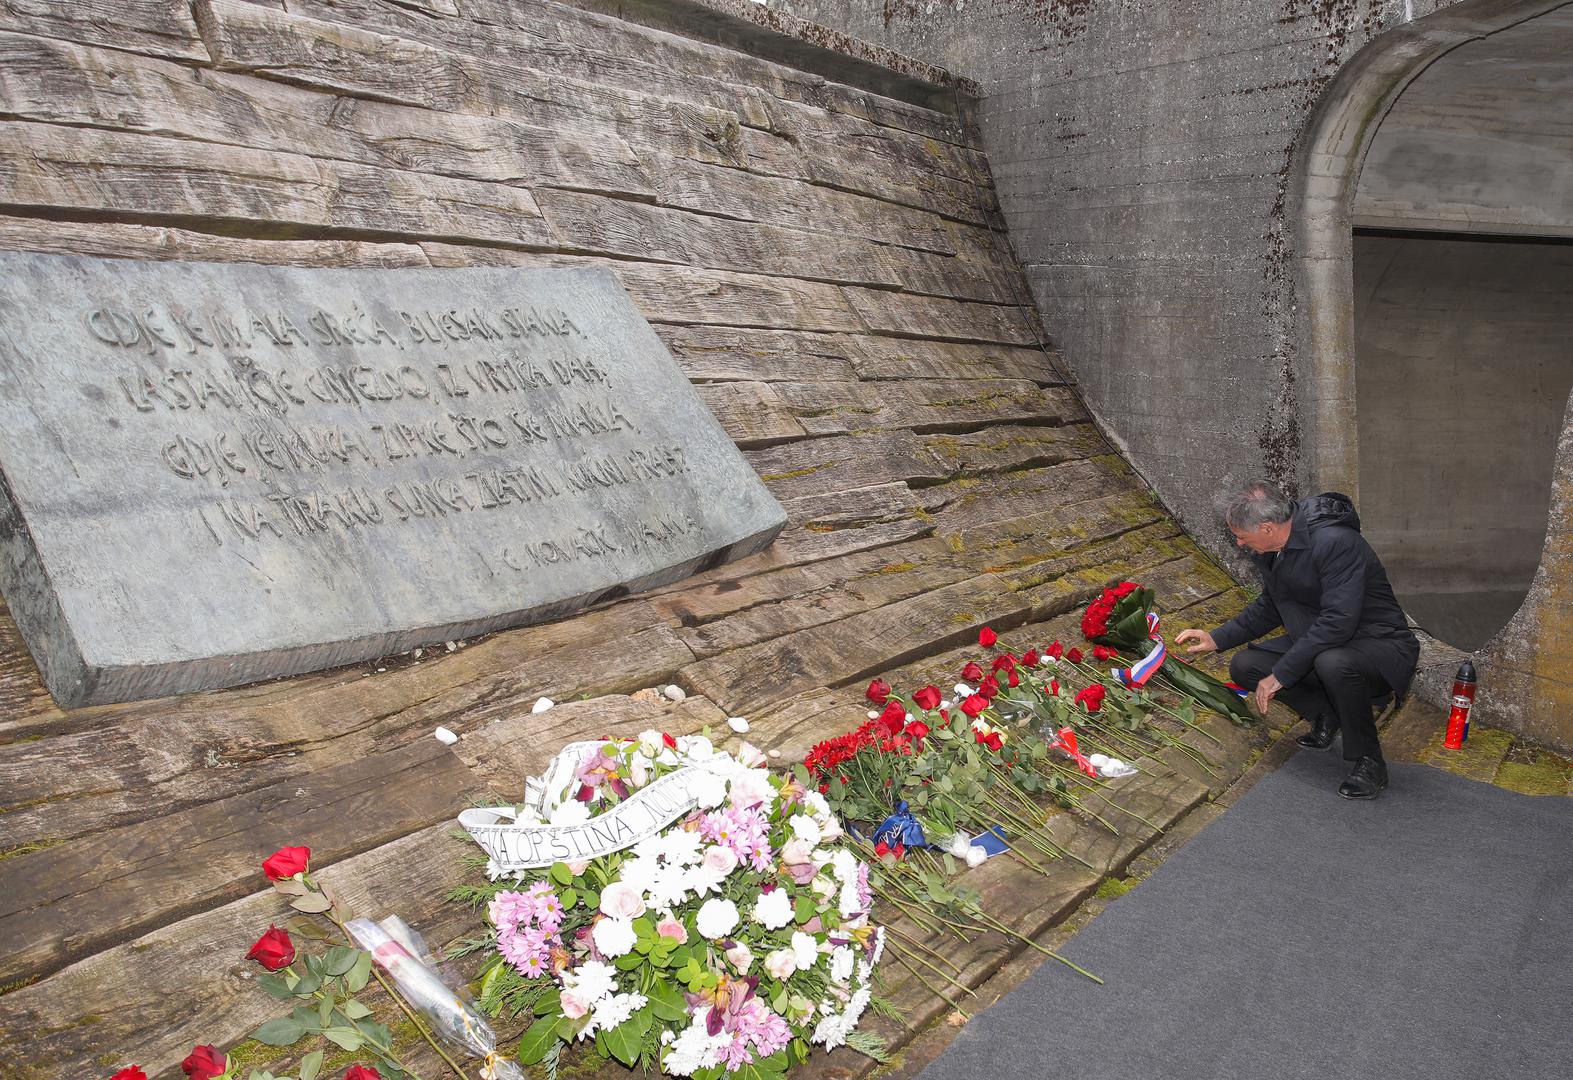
217,473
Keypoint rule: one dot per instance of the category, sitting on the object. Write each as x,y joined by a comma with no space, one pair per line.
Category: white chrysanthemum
613,1011
615,937
774,909
841,964
593,979
805,950
831,1031
572,812
702,879
717,918
669,889
694,1048
640,873
849,903
806,827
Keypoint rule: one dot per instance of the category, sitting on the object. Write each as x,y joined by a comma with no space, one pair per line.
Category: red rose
1054,687
994,741
974,705
1030,658
205,1062
878,692
286,862
892,718
273,950
362,1072
1004,660
972,672
917,729
130,1072
1056,651
1092,697
944,717
989,687
1074,656
1011,678
927,698
1103,652
670,742
987,637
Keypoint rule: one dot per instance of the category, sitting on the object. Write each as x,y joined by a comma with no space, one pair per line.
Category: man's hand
1265,691
1202,641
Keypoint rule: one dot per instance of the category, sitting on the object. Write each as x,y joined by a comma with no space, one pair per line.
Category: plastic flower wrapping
737,936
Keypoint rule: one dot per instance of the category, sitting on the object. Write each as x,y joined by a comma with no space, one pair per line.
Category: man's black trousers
1341,684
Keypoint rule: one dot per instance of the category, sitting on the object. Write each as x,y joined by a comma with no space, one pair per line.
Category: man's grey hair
1253,503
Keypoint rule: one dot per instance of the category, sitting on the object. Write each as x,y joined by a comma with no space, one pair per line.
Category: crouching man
1345,644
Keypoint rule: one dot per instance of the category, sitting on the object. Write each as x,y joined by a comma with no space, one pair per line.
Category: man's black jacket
1326,588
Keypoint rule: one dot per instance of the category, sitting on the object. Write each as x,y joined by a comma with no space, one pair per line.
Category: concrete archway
1432,211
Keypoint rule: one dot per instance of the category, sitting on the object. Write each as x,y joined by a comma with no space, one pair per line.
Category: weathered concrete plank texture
826,265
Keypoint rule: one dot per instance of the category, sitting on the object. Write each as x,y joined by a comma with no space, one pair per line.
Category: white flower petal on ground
737,724
717,918
542,704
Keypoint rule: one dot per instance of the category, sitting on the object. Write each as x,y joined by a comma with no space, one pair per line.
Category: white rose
774,909
614,937
717,918
651,743
781,964
572,812
822,886
805,950
621,900
806,828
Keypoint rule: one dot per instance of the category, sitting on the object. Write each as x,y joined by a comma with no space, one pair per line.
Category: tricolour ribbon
1138,673
1067,738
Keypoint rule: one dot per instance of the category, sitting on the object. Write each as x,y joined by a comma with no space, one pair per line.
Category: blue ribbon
901,828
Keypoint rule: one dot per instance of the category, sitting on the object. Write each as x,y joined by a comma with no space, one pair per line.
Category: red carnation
972,672
362,1072
273,950
1125,588
974,705
1092,697
927,698
130,1072
286,862
989,687
987,637
205,1062
1030,658
917,729
1074,656
878,691
1056,651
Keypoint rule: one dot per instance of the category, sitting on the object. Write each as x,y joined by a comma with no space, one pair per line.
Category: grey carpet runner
1425,934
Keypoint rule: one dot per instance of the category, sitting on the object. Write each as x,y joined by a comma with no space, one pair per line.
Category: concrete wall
1482,140
1142,152
1464,368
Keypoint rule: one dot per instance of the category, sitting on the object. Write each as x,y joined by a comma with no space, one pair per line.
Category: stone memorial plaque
216,473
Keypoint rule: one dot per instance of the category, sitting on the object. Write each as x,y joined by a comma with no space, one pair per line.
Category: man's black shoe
1320,737
1366,780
